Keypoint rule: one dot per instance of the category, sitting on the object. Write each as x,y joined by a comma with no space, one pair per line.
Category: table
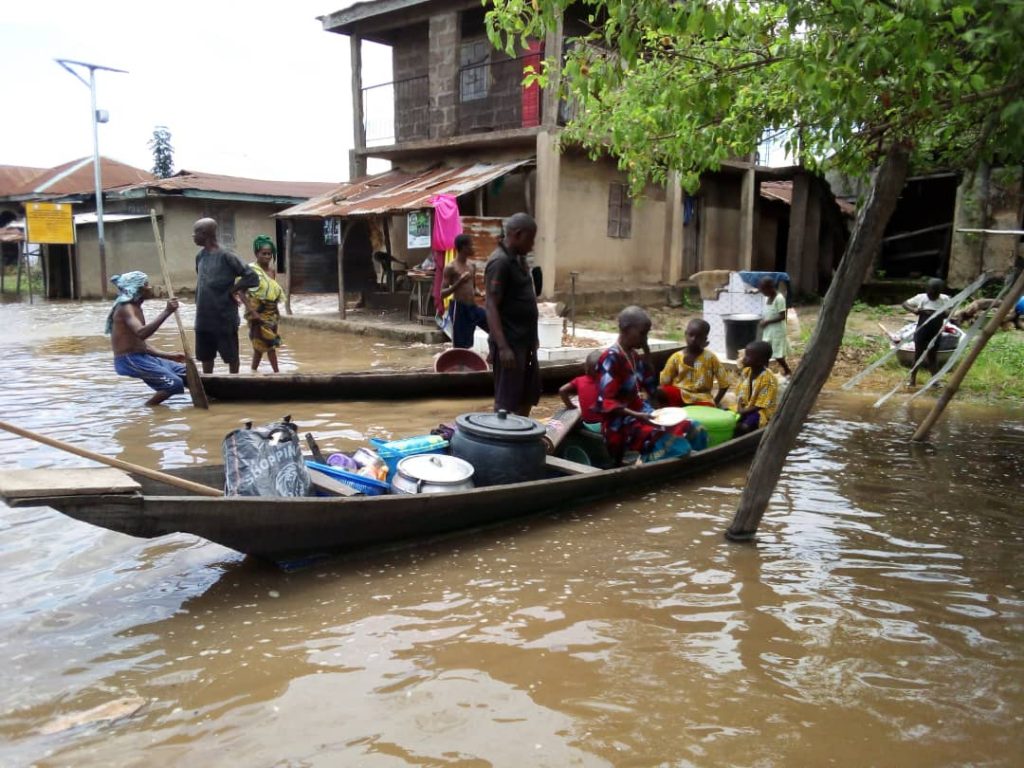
422,295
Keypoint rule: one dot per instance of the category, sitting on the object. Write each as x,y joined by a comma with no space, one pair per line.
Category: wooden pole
814,368
391,255
341,270
288,232
195,383
28,275
965,365
44,257
152,474
21,260
76,273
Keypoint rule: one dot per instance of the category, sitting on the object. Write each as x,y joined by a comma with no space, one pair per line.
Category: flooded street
878,621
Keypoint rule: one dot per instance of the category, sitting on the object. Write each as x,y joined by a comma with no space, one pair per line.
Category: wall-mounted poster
419,229
332,231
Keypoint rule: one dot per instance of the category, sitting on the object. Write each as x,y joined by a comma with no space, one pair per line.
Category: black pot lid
500,426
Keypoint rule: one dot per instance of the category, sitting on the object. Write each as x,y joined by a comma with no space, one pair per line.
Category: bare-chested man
459,282
164,372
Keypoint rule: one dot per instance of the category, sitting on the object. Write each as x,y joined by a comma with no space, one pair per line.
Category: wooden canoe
289,529
382,384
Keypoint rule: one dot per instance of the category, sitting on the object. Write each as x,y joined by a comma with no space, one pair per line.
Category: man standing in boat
511,308
222,278
164,372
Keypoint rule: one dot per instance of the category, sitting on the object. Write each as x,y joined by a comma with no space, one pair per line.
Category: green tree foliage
163,152
859,84
689,84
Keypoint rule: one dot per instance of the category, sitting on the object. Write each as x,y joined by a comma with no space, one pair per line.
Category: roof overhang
399,191
108,218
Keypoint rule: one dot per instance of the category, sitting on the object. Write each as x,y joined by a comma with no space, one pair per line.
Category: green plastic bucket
720,425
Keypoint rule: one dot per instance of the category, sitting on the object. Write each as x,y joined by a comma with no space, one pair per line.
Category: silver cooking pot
432,473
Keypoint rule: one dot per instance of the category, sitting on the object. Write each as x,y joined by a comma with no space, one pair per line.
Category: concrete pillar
672,253
812,245
444,72
546,206
748,212
356,162
552,54
797,233
967,250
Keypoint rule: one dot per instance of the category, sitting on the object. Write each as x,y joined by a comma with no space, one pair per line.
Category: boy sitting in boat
757,391
585,389
690,374
164,372
623,377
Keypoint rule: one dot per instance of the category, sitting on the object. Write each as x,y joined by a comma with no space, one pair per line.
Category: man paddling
164,372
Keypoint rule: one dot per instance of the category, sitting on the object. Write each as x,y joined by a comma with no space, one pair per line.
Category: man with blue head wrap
164,372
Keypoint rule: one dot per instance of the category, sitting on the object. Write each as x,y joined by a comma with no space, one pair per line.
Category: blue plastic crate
365,485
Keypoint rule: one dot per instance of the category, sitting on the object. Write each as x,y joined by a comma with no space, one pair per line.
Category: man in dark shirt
512,318
217,297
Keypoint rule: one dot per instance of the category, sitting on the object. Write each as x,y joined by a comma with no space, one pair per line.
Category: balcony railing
397,112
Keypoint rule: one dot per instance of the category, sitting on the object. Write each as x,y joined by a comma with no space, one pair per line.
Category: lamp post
98,117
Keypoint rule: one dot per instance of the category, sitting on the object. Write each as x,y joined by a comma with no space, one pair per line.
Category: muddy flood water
878,621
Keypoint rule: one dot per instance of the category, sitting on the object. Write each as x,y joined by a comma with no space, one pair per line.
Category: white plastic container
549,331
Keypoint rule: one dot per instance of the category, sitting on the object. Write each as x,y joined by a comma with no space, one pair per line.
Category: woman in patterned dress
262,313
623,377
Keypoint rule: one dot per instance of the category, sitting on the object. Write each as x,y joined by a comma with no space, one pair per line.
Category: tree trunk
817,361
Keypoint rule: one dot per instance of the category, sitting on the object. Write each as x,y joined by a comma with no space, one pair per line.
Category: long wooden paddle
195,384
152,474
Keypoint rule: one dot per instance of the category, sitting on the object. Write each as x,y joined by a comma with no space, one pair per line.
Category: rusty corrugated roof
14,177
398,191
781,191
77,178
193,181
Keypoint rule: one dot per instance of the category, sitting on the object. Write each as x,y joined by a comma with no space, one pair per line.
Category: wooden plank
569,467
35,483
324,482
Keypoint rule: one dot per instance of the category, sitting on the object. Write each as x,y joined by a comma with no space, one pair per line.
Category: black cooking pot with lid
502,447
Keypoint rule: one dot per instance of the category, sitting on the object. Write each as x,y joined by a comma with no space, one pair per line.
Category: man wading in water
218,297
128,329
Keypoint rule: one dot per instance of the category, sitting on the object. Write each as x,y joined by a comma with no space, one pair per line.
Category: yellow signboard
50,223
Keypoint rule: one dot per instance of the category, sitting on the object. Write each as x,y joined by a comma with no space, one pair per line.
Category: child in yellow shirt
690,374
757,391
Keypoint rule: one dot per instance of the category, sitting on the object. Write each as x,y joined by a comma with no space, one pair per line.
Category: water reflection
878,621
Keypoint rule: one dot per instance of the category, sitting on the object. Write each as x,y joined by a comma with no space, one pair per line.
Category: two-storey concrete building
455,118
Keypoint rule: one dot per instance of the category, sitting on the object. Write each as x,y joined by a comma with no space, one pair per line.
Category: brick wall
444,49
410,57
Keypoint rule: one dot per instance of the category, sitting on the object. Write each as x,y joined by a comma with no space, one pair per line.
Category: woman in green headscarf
262,313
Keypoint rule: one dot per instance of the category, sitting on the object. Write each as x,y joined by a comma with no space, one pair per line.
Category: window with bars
620,211
225,218
474,70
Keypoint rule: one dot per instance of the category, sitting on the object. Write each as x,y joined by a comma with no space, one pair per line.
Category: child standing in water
773,323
